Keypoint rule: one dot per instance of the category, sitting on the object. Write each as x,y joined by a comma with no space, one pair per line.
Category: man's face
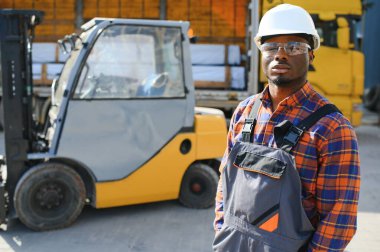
282,69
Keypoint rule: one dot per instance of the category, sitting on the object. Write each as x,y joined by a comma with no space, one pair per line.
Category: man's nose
281,54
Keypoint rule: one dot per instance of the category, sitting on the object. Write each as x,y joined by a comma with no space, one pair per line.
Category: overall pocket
258,162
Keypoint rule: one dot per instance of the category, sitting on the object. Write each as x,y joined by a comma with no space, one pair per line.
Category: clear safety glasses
291,48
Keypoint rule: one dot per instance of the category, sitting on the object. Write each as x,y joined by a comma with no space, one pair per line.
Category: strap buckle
248,125
247,129
293,135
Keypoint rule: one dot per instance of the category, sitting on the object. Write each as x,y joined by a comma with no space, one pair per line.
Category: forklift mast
16,34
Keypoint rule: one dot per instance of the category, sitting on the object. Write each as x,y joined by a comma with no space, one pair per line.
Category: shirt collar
295,99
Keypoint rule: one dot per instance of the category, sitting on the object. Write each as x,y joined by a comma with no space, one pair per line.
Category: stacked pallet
217,66
213,21
220,26
121,9
47,62
218,23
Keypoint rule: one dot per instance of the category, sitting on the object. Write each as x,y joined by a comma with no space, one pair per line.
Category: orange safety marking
271,224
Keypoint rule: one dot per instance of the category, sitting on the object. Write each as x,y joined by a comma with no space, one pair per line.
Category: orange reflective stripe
271,224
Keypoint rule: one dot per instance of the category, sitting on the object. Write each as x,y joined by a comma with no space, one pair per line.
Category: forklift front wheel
199,186
49,196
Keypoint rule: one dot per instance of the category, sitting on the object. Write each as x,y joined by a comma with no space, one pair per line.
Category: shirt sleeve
219,213
337,190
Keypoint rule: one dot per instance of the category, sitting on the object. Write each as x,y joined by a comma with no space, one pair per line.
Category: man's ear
311,56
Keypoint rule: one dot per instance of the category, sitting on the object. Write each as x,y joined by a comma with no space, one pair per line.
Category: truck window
327,30
133,62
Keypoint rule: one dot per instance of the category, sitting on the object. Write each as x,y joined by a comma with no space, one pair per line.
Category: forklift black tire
199,185
49,196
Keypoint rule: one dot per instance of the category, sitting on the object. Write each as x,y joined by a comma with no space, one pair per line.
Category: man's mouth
280,68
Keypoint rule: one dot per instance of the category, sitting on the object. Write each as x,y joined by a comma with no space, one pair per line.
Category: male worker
290,174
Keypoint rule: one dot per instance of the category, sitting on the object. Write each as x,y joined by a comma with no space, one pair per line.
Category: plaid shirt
326,157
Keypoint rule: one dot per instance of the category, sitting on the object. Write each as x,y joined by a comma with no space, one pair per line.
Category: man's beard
281,81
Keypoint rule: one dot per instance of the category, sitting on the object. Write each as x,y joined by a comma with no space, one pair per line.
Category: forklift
122,126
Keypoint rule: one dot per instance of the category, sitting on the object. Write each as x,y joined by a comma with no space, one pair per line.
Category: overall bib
262,193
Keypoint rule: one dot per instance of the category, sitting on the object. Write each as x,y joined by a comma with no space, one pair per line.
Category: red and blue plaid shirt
326,157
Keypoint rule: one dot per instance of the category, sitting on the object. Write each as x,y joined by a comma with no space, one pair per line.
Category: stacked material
214,66
47,62
217,66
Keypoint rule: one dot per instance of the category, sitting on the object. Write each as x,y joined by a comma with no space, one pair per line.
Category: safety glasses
291,48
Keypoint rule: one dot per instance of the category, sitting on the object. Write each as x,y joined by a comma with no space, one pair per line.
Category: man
290,174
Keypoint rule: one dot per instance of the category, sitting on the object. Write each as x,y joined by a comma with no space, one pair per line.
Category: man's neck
279,93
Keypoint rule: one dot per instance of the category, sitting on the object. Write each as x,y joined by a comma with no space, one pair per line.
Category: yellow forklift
122,128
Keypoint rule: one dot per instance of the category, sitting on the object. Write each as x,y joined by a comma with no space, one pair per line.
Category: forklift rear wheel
49,196
199,186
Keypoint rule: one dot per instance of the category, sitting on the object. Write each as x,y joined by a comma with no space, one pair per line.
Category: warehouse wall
213,21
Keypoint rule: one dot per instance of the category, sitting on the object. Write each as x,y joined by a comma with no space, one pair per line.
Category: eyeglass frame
285,47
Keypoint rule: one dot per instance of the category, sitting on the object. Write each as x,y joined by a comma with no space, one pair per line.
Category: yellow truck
337,71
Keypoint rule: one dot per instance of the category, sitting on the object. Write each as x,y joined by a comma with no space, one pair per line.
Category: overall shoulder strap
309,121
250,122
295,132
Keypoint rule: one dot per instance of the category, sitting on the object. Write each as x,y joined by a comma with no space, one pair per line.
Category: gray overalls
262,197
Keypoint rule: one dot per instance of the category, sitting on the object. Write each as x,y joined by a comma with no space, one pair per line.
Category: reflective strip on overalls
262,192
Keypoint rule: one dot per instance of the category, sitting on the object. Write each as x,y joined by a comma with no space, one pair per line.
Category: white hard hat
287,19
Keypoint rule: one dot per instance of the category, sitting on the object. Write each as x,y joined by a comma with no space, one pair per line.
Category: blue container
371,41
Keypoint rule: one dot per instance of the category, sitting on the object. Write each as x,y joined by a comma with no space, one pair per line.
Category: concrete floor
167,226
367,237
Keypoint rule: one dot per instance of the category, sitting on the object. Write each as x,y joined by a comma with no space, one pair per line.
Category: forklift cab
121,130
130,81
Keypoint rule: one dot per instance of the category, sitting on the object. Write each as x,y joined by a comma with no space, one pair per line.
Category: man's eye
292,48
272,48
